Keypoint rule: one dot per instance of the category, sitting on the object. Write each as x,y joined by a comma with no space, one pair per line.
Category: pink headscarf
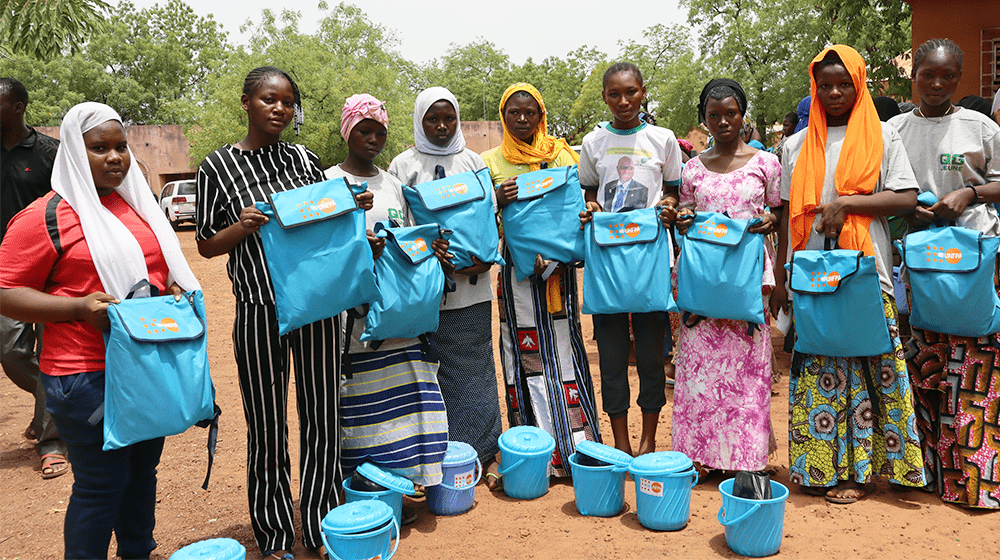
360,107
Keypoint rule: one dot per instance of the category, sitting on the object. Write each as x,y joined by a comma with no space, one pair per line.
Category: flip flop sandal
53,465
409,516
418,492
494,481
859,492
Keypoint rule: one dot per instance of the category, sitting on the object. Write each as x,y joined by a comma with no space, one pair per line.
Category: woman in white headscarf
467,375
67,257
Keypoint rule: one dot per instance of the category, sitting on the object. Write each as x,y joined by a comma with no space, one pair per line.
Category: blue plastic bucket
753,527
395,486
457,491
663,482
212,549
525,453
599,491
360,531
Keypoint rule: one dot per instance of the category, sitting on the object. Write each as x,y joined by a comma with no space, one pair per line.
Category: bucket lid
387,479
459,453
604,453
661,462
211,549
528,440
357,517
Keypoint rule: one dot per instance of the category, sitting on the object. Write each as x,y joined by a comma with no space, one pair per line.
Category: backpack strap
213,437
52,223
873,394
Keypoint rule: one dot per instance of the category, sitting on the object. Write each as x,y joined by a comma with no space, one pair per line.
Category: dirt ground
912,525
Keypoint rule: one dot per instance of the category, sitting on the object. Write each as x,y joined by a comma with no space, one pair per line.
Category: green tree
44,28
348,54
766,45
477,73
54,86
880,30
673,75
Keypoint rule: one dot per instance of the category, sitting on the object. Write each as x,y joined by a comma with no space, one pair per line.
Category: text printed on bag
533,187
159,325
618,231
312,209
831,279
938,254
651,487
452,190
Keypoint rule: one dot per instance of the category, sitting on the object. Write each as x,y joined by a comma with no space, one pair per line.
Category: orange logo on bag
413,248
720,230
938,254
831,279
710,228
540,185
618,231
327,205
656,487
420,244
453,190
163,325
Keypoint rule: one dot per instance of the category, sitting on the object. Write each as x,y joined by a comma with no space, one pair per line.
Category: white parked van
177,201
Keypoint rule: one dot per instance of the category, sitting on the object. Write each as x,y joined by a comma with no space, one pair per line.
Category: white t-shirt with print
962,149
653,151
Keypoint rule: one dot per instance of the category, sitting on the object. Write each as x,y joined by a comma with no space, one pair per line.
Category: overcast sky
520,28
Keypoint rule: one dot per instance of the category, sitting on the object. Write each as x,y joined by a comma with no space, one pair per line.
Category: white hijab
114,250
424,101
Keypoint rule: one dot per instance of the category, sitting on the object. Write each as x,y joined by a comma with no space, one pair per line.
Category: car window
187,187
167,190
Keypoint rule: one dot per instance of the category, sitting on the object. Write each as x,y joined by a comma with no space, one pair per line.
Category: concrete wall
161,151
482,135
964,22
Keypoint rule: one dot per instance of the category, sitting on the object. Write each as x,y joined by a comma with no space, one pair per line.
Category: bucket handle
745,515
620,468
333,555
689,472
512,466
479,467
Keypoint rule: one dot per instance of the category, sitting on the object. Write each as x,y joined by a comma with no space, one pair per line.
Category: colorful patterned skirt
546,373
835,434
956,381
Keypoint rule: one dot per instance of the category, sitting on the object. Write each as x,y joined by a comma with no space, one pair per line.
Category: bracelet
974,191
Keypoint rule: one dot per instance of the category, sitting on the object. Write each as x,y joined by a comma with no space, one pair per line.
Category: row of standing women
840,178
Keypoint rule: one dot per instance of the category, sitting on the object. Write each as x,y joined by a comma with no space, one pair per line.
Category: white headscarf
996,103
116,254
424,101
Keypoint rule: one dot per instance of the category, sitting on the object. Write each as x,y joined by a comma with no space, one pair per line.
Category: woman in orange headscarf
841,177
540,323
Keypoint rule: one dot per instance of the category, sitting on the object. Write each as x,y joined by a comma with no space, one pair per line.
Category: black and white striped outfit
229,180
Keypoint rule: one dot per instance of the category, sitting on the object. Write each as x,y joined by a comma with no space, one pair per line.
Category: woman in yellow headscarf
841,177
544,362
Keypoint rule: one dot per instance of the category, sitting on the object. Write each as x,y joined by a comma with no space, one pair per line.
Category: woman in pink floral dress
721,414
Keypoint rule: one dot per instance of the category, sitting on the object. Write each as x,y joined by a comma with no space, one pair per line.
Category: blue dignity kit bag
720,270
628,257
951,280
157,380
545,219
462,204
317,252
837,305
411,282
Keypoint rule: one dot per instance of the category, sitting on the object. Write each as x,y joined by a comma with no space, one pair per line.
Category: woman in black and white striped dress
230,181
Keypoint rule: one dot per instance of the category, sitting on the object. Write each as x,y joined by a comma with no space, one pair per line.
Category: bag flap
821,272
718,229
946,249
412,242
160,319
454,190
313,203
536,184
626,228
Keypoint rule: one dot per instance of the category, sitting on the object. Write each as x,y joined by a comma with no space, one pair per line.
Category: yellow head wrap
543,147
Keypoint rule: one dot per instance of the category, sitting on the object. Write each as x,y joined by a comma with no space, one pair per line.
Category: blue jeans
112,490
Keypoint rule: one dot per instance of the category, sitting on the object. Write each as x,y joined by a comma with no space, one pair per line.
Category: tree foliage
45,28
477,73
766,45
880,31
348,54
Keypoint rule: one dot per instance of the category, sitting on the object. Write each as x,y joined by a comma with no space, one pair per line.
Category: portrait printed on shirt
630,179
